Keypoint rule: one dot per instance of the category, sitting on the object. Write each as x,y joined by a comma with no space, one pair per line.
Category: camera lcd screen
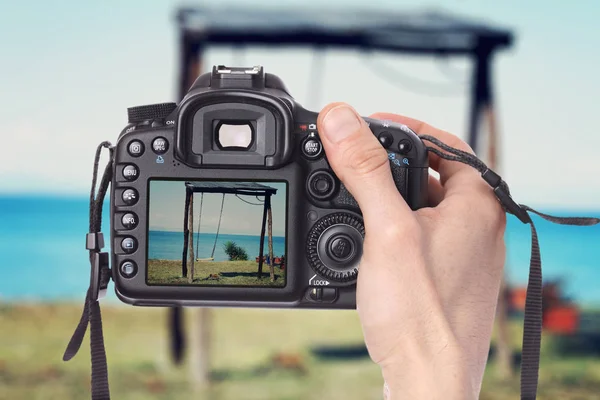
209,233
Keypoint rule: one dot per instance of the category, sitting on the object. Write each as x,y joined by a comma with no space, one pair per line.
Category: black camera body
227,199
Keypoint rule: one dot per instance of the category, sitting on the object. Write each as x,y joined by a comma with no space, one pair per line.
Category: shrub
235,252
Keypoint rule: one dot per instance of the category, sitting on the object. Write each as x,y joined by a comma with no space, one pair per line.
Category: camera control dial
149,112
334,246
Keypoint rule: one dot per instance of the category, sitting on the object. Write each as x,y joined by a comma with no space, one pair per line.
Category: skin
429,279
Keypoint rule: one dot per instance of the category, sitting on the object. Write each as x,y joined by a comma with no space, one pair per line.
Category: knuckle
487,209
406,232
365,159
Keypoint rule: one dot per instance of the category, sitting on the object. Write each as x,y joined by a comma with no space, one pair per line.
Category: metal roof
250,188
428,32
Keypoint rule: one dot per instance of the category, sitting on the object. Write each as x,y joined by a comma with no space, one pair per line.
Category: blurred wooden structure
419,33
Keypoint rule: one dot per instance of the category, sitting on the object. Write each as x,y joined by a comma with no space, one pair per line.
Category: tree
235,252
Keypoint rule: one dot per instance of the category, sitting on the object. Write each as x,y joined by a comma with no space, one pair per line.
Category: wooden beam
270,232
191,236
262,240
188,193
200,345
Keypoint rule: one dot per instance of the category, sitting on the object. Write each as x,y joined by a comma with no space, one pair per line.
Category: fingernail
339,123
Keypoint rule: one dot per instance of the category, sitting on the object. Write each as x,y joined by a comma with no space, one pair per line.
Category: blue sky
167,202
70,69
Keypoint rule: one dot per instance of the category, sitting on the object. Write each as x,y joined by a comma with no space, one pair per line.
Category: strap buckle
501,191
99,276
94,241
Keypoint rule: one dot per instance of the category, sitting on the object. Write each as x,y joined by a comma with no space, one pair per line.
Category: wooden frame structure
426,34
238,189
417,33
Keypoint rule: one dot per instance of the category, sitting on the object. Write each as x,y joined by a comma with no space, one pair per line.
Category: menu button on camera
130,172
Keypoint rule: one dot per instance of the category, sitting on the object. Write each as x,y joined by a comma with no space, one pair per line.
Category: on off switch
322,295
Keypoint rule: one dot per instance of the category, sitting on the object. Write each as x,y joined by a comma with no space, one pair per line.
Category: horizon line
209,233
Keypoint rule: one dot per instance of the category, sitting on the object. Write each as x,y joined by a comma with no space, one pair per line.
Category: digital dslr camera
227,199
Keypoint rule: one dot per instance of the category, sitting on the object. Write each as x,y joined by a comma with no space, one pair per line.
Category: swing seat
205,259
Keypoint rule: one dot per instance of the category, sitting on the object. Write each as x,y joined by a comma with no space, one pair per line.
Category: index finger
453,175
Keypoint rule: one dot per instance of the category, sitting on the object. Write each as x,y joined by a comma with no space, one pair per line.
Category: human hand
429,279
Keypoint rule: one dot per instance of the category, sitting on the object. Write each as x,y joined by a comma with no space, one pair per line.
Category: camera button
322,294
129,197
386,139
128,269
404,146
340,247
315,293
130,172
129,245
135,148
329,295
312,148
321,185
129,220
160,145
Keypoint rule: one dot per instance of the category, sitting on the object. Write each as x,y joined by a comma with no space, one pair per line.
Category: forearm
444,375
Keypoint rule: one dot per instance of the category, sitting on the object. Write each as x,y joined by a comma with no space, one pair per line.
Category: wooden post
185,233
200,348
262,240
270,232
191,229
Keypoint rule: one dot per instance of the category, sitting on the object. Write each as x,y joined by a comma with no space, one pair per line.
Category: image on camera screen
209,233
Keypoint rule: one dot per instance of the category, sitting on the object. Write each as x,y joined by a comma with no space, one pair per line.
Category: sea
43,256
169,245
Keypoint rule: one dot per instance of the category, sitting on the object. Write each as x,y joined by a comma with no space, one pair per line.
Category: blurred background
70,69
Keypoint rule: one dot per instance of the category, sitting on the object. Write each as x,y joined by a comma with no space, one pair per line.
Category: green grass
33,337
233,273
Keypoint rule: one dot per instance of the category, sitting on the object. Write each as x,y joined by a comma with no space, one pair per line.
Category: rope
212,255
249,202
199,219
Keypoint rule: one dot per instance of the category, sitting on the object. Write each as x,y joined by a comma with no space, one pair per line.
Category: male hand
429,279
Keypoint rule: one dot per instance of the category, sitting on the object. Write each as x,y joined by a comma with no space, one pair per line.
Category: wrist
434,373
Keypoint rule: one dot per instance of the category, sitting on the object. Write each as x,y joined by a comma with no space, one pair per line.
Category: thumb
361,163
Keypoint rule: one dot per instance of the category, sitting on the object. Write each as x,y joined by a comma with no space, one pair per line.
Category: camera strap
99,278
101,273
532,324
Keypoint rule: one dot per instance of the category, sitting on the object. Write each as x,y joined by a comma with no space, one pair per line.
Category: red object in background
561,319
517,299
303,127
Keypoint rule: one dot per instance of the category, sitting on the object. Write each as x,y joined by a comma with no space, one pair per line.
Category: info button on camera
129,220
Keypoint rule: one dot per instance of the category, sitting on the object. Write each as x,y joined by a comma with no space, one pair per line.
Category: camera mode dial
334,246
149,112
